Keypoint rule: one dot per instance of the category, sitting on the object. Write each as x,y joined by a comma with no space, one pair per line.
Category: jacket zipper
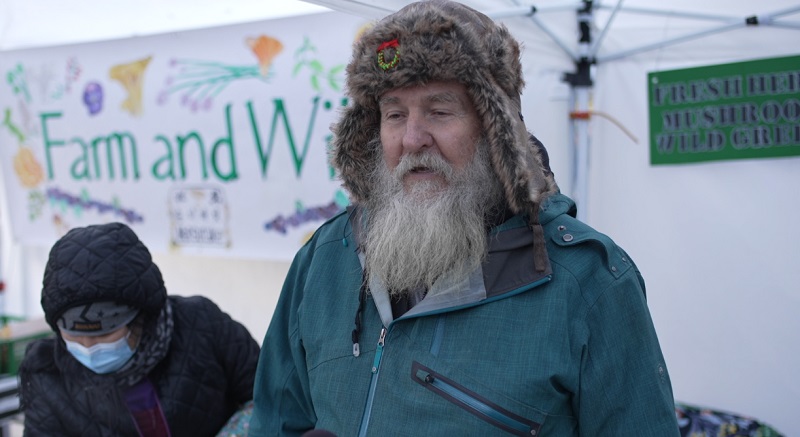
376,364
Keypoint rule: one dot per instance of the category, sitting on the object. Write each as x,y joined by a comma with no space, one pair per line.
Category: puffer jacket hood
442,40
101,263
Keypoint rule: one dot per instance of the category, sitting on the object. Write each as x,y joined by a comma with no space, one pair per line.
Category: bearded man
458,295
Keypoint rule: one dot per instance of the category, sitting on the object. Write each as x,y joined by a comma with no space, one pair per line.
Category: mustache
425,161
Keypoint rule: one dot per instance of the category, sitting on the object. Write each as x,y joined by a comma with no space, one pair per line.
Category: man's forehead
447,92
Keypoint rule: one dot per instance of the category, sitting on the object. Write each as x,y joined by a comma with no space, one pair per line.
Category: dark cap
96,318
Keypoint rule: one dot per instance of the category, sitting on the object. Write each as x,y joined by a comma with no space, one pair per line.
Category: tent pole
675,14
581,127
580,89
756,20
676,40
532,13
604,31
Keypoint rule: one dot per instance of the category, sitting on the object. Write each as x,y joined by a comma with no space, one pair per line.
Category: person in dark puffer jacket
128,360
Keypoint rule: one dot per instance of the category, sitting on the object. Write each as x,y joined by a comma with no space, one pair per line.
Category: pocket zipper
472,403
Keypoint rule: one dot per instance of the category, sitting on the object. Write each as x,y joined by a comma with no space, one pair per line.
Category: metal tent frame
587,56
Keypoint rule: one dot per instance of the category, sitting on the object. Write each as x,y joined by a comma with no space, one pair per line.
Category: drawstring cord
362,298
539,248
354,217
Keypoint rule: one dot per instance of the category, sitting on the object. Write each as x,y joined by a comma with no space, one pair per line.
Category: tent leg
581,133
580,89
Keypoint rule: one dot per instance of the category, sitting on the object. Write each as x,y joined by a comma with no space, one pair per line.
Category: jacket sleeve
41,422
624,381
282,400
239,356
40,418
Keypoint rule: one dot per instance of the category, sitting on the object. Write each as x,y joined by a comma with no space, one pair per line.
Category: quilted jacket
205,376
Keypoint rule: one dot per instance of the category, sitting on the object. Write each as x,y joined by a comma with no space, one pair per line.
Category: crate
15,335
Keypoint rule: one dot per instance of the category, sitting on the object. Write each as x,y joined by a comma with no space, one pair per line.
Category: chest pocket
473,403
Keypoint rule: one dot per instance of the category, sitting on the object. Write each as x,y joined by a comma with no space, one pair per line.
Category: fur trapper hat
443,40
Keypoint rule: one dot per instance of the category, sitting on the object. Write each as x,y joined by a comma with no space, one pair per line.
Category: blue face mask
102,357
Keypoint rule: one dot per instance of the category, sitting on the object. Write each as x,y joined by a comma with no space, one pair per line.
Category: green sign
742,110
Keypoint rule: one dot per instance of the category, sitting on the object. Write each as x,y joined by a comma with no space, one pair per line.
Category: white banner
211,141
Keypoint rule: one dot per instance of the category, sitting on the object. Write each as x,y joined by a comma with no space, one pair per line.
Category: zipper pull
382,338
379,351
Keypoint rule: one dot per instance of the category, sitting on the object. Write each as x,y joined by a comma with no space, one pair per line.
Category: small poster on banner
199,217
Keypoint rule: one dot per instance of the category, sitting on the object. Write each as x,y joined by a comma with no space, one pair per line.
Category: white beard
415,236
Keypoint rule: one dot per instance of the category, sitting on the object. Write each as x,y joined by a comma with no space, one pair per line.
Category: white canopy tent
41,23
591,33
716,242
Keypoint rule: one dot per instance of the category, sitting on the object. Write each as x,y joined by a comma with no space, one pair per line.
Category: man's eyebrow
387,100
443,97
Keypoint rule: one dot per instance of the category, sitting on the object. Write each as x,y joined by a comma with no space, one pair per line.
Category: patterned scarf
153,347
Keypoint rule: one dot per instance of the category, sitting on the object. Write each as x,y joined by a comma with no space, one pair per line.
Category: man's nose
417,135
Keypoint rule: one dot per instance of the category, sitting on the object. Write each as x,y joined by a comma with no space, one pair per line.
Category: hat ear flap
352,154
516,158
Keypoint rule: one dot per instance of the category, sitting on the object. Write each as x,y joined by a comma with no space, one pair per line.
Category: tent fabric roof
36,23
627,25
39,23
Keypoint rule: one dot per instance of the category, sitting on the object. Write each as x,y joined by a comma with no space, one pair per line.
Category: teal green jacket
570,351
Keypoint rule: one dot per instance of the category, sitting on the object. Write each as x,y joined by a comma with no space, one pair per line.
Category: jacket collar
507,271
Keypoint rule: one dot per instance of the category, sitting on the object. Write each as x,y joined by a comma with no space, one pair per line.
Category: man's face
436,118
